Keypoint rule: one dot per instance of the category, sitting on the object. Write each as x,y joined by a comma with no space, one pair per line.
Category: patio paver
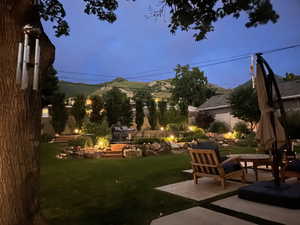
198,215
206,188
268,212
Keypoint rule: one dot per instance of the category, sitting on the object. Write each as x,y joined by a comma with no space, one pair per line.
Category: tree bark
20,115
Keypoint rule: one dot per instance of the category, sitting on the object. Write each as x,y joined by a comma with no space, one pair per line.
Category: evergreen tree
97,105
162,113
114,100
59,113
49,86
139,113
127,116
152,113
78,110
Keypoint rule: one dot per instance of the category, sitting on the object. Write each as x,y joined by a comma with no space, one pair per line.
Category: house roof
288,90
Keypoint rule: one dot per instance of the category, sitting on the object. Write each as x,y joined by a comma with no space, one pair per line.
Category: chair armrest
233,159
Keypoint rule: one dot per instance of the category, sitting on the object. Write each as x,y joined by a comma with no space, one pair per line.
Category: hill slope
159,88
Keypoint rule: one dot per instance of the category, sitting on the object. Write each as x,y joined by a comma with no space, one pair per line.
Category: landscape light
76,131
162,128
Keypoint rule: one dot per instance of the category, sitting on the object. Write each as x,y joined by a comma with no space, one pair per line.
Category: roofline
290,96
226,106
214,107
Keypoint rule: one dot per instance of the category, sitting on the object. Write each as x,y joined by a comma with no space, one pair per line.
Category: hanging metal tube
19,64
36,64
25,61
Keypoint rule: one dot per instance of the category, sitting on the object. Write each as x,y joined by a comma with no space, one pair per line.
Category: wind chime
24,63
24,60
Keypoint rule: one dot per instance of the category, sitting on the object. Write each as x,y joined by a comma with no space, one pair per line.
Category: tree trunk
20,114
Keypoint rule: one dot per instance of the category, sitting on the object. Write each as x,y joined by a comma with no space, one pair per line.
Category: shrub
82,141
102,142
190,136
140,141
293,125
249,140
96,129
177,126
170,139
204,119
46,138
219,127
241,129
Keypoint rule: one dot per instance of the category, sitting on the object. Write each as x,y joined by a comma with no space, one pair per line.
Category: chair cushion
294,166
208,145
231,167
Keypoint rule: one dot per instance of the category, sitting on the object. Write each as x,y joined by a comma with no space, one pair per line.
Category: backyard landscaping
109,191
112,191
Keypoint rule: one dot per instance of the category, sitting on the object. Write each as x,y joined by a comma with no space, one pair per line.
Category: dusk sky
135,44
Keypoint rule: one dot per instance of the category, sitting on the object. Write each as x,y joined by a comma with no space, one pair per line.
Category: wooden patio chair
207,163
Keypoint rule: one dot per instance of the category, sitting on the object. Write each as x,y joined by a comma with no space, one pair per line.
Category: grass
109,191
112,191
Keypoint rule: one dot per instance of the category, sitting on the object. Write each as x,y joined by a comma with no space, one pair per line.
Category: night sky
140,48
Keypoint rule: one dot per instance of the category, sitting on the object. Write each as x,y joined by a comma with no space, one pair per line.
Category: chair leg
243,177
223,182
195,179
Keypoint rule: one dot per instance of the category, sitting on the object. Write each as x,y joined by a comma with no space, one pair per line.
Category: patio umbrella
269,128
270,133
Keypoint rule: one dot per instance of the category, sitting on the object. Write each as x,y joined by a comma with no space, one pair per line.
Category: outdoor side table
256,159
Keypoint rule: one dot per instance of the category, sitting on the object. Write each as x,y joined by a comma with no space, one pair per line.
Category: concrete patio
218,206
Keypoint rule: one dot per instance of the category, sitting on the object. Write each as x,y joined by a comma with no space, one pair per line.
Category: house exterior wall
221,114
224,114
292,104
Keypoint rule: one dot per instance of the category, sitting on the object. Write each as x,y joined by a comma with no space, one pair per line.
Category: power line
213,63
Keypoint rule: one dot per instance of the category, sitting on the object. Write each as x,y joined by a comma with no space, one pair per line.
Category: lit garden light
76,131
192,128
230,135
162,128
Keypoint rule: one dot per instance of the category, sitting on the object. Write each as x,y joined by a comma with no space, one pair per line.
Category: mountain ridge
159,88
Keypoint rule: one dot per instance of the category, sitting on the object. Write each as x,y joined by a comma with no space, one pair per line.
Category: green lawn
109,191
112,191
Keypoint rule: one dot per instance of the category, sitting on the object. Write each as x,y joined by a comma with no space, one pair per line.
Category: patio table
256,159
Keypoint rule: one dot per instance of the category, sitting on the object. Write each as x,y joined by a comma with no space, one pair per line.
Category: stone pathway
211,212
269,212
199,216
206,188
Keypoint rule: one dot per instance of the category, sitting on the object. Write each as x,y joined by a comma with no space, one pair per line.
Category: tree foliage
59,114
175,116
143,94
218,127
190,86
244,104
78,110
127,116
184,14
162,113
139,113
204,119
97,106
49,86
117,107
152,117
